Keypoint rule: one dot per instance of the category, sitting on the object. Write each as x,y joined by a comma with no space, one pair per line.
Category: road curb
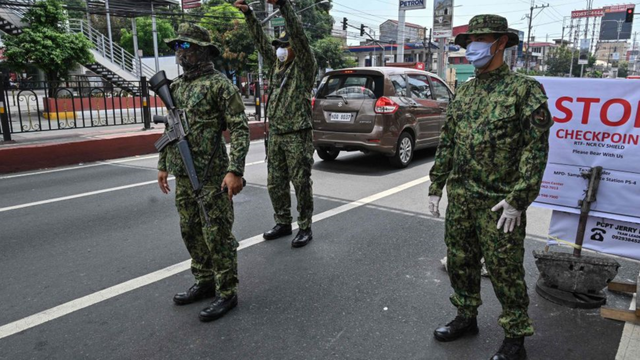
24,157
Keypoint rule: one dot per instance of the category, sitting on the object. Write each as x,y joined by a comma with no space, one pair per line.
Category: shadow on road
372,164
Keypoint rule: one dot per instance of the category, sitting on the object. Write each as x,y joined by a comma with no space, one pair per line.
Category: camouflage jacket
491,147
210,101
290,85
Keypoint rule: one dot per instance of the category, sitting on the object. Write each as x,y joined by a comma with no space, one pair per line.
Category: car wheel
404,151
328,154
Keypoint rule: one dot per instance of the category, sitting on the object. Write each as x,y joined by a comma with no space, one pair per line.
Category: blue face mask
479,53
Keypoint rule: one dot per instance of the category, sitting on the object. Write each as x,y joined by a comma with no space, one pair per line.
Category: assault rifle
177,131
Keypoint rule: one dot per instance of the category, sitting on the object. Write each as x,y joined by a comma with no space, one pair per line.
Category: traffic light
344,24
361,29
629,17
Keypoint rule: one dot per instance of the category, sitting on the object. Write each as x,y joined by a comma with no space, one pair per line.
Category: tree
145,36
230,32
99,23
329,52
74,8
316,19
46,45
623,69
559,63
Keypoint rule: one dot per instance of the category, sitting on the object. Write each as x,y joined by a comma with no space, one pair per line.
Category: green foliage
72,7
559,63
233,38
45,44
623,69
145,36
316,20
329,53
99,22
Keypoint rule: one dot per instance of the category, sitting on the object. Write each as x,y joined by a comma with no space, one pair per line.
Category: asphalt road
91,256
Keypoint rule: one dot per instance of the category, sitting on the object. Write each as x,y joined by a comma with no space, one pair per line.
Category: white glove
434,202
510,216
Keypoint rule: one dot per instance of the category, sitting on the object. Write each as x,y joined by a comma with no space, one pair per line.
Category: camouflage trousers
213,249
290,159
470,234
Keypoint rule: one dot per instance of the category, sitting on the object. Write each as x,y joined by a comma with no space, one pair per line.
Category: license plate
344,117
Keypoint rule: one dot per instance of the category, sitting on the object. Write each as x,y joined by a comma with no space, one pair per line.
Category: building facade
389,32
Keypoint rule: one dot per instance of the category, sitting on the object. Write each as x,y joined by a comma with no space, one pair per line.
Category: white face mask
282,54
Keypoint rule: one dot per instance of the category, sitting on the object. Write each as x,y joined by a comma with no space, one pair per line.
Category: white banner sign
413,4
603,235
597,123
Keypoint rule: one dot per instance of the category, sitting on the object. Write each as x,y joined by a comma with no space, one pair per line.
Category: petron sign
413,4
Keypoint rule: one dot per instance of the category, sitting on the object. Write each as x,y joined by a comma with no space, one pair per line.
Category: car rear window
353,86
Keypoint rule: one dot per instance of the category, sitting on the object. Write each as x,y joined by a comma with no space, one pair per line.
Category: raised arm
263,43
297,36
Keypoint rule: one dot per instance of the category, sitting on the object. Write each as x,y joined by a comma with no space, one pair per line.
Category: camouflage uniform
210,101
290,154
491,148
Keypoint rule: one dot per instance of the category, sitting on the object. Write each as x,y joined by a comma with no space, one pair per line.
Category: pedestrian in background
492,155
212,103
290,147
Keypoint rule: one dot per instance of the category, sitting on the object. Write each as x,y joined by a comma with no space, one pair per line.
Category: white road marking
108,162
91,193
70,197
111,292
102,163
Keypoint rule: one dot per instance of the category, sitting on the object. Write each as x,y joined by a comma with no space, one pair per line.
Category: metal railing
80,102
110,50
18,10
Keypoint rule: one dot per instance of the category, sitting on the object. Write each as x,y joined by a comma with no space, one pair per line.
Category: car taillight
385,105
313,103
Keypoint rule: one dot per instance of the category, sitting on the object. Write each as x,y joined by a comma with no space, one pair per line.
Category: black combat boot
195,293
511,349
455,329
278,231
218,308
302,238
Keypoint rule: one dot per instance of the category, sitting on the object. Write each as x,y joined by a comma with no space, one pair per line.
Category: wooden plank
621,315
622,287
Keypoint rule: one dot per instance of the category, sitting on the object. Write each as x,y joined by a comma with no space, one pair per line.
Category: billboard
576,14
614,15
585,44
413,4
442,18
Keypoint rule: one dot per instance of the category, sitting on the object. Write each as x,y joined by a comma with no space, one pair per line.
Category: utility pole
573,48
533,7
429,55
586,34
633,52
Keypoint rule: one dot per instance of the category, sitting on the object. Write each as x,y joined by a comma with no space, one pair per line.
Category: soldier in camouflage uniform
290,147
211,103
492,155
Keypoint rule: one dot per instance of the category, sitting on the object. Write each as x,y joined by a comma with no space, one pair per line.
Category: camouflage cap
194,34
283,39
487,24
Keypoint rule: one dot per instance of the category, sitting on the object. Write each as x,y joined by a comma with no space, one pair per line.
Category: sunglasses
181,45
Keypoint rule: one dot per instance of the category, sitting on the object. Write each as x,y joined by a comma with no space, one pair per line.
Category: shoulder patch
541,117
